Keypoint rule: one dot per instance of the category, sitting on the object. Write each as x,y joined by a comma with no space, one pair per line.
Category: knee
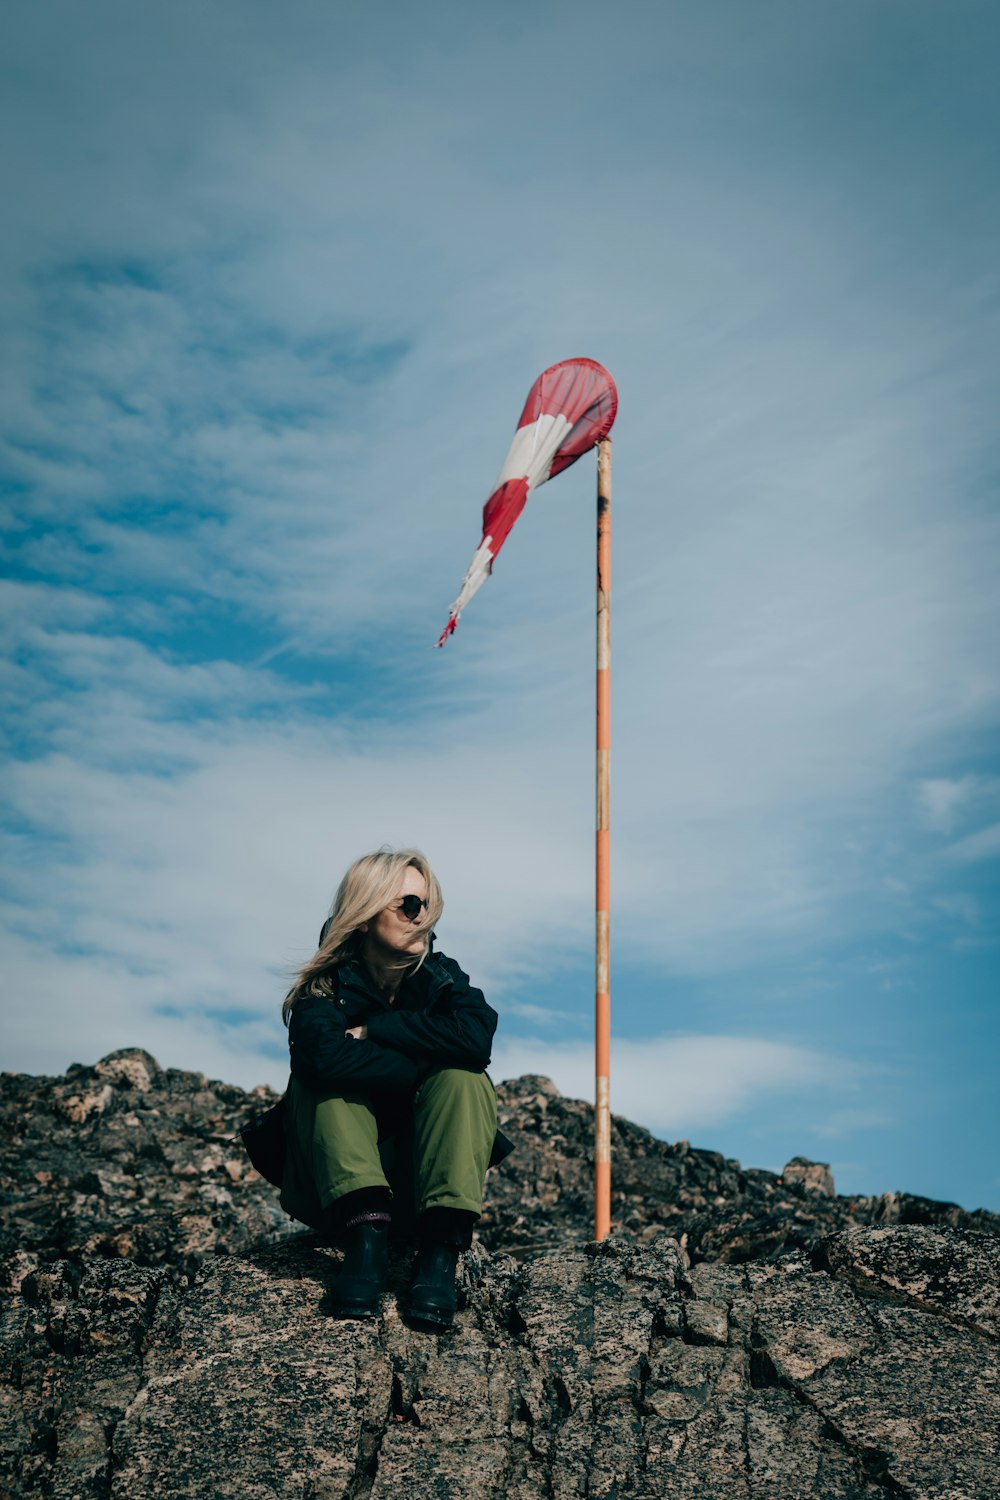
458,1081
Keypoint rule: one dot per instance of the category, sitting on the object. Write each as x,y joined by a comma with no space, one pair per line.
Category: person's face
394,932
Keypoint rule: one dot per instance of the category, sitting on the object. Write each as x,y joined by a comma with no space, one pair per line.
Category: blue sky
274,284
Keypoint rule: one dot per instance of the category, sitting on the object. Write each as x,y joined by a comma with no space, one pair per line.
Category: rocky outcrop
608,1371
717,1209
742,1334
128,1159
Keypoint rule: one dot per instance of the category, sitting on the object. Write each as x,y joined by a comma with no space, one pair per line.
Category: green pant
444,1142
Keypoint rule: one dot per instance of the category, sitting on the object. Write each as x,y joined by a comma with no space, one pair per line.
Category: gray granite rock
167,1333
814,1176
610,1371
128,1159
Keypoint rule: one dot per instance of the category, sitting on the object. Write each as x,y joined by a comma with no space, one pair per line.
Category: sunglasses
411,907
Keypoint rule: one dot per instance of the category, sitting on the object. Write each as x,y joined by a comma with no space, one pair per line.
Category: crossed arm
395,1049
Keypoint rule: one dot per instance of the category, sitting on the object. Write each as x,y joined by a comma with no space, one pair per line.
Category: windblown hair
370,885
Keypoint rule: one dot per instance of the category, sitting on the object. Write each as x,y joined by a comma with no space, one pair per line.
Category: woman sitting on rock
389,1044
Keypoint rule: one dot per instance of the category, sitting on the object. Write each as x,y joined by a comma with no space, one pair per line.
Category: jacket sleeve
459,1034
324,1058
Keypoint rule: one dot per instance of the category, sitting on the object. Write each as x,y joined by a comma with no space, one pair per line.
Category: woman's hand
359,1033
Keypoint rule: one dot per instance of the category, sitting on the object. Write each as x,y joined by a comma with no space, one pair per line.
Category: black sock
446,1226
369,1205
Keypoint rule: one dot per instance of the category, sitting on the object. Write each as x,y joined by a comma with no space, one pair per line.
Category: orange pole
602,966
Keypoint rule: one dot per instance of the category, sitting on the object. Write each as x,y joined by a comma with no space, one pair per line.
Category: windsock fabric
569,409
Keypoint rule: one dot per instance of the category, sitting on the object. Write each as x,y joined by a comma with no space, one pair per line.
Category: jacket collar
353,978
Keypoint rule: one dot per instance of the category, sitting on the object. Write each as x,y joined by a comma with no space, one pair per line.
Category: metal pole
602,1005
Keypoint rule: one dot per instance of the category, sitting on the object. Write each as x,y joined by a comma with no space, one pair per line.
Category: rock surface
611,1371
128,1159
743,1336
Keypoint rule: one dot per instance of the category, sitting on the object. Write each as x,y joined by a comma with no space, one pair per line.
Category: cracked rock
564,1376
793,1346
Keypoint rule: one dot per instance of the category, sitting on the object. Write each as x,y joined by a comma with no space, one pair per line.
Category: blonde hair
370,885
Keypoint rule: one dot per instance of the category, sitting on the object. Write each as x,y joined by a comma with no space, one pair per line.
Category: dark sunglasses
411,906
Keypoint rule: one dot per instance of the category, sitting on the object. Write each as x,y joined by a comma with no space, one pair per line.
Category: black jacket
438,1020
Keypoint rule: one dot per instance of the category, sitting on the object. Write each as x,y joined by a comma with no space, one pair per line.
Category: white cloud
853,1121
540,1015
199,883
943,799
65,1006
674,1085
72,1010
977,846
962,906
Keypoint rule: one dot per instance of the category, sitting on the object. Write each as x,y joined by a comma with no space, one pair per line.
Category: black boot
432,1297
356,1291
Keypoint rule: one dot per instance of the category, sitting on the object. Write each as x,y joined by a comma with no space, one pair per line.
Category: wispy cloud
941,798
854,1121
541,1015
680,1083
977,846
943,801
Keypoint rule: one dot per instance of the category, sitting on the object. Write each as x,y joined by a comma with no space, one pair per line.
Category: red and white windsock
569,409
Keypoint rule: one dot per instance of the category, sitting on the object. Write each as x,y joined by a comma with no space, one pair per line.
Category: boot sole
441,1321
353,1310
